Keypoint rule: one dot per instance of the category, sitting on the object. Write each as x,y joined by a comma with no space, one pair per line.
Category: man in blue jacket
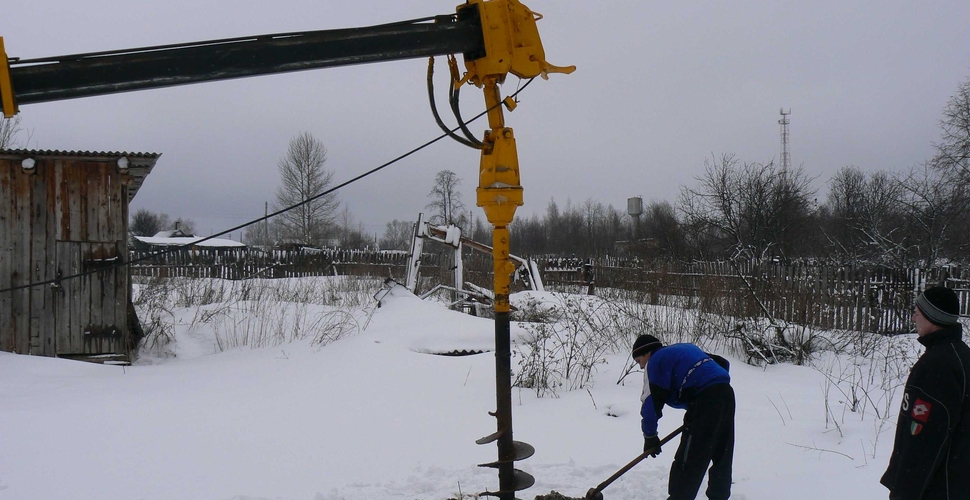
685,377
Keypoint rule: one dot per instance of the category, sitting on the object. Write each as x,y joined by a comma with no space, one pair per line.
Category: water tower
634,208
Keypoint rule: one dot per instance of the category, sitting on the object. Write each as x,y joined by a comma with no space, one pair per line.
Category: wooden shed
64,214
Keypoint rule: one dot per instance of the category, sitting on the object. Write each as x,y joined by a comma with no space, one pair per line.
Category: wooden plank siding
6,261
66,297
65,217
20,274
39,268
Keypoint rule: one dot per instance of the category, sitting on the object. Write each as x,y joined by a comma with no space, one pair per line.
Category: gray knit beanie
940,305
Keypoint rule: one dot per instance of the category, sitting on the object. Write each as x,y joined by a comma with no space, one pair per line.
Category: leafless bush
197,291
716,324
150,292
762,342
258,312
271,324
564,354
152,301
335,325
159,335
862,376
539,368
564,350
534,310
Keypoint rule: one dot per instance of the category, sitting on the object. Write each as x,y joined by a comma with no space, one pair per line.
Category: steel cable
173,249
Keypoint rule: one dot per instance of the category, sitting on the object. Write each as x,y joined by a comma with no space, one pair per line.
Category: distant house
63,232
172,233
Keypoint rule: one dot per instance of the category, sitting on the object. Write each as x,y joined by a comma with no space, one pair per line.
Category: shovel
597,492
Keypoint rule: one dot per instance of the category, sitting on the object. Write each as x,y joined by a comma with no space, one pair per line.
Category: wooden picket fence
245,263
861,298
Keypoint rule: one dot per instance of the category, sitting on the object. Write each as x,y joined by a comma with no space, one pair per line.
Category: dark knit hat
646,344
940,305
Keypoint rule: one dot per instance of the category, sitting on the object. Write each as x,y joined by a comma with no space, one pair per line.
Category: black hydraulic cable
453,93
123,263
434,110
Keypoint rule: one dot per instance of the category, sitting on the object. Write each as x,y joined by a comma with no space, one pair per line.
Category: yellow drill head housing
499,192
512,43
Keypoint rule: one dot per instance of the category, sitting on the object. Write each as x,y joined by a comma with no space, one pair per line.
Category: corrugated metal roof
86,154
139,164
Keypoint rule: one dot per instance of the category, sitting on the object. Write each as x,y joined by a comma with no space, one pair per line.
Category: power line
125,263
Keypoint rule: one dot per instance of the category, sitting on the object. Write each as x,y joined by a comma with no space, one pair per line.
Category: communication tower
785,154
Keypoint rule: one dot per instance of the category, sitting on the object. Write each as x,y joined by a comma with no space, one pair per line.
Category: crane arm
83,75
495,37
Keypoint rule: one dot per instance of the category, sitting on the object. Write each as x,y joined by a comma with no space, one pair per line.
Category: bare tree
661,225
529,235
481,230
9,130
953,150
446,205
864,217
569,230
935,202
303,179
350,231
356,237
144,223
262,234
952,162
749,209
397,235
594,216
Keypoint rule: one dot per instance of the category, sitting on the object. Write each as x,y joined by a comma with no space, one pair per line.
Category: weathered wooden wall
65,217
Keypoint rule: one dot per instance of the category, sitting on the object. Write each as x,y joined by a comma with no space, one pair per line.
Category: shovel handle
635,461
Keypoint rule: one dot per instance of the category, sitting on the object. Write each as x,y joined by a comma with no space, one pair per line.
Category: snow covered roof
172,233
179,241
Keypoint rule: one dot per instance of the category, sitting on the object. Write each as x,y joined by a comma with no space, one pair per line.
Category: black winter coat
931,455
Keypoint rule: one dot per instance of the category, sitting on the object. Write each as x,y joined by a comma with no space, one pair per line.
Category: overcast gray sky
660,87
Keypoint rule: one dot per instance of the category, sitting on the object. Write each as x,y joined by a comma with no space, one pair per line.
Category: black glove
651,444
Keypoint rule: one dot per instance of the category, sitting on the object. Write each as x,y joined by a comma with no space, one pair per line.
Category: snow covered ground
375,416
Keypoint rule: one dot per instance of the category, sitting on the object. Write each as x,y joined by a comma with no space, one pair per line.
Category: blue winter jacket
677,373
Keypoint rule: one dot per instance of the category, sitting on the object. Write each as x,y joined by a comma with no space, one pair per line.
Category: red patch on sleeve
921,410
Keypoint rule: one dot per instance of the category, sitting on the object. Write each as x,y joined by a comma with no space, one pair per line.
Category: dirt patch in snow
555,495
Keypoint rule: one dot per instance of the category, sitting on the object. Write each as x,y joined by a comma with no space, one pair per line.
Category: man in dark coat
931,455
683,376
